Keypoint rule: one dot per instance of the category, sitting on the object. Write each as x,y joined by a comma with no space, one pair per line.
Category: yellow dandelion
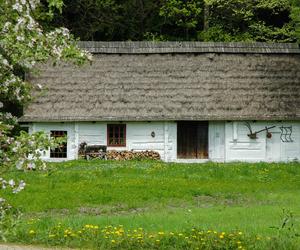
240,233
157,241
113,241
31,231
221,236
161,233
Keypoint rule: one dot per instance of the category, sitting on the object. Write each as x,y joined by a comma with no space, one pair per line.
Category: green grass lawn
159,196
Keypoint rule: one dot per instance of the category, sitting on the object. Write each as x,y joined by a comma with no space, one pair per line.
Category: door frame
196,145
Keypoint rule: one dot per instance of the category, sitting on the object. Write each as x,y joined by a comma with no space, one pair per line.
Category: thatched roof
172,81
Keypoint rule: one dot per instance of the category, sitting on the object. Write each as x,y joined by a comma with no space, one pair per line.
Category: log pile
132,155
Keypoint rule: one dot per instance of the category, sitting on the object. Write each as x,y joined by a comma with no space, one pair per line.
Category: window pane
61,150
117,137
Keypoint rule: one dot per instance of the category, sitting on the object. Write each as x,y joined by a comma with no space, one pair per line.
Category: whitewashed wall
216,141
239,147
138,136
228,141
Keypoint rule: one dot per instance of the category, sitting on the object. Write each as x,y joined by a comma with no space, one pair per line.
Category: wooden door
192,140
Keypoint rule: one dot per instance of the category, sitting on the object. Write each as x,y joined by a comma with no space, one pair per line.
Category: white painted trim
192,160
33,128
235,135
76,138
166,138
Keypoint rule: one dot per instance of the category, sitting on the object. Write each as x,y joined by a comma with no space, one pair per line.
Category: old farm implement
253,135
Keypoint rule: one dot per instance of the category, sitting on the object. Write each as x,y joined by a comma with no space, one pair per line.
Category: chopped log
100,152
132,155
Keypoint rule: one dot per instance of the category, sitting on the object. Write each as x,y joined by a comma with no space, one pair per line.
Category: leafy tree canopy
202,20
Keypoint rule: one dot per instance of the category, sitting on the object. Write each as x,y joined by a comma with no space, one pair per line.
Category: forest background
178,20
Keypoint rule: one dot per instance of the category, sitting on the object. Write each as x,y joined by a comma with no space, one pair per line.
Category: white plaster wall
93,133
228,141
239,147
216,141
138,135
171,146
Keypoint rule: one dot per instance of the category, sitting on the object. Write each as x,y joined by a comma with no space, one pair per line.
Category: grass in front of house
160,197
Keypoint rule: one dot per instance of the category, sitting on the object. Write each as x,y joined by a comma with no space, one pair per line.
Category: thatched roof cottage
189,101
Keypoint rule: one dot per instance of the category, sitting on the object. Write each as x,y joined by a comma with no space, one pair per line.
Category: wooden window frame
114,126
54,154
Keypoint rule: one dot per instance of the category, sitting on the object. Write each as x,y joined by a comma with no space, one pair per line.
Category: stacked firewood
132,155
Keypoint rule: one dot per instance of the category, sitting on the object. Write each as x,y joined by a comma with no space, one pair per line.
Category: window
116,135
61,150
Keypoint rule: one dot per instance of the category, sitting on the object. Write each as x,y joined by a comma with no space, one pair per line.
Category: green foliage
295,16
204,20
240,20
185,14
110,19
9,220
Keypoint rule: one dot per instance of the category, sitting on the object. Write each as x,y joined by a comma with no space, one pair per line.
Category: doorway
192,140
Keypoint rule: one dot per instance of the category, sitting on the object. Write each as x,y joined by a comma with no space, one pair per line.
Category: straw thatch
245,82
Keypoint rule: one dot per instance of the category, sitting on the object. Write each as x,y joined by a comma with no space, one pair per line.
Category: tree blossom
23,44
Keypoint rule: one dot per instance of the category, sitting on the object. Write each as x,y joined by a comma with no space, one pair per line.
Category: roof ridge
145,47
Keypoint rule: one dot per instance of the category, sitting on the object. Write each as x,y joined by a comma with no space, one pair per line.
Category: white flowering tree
23,43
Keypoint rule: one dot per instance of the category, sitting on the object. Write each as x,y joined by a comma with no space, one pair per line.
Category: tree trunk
206,17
